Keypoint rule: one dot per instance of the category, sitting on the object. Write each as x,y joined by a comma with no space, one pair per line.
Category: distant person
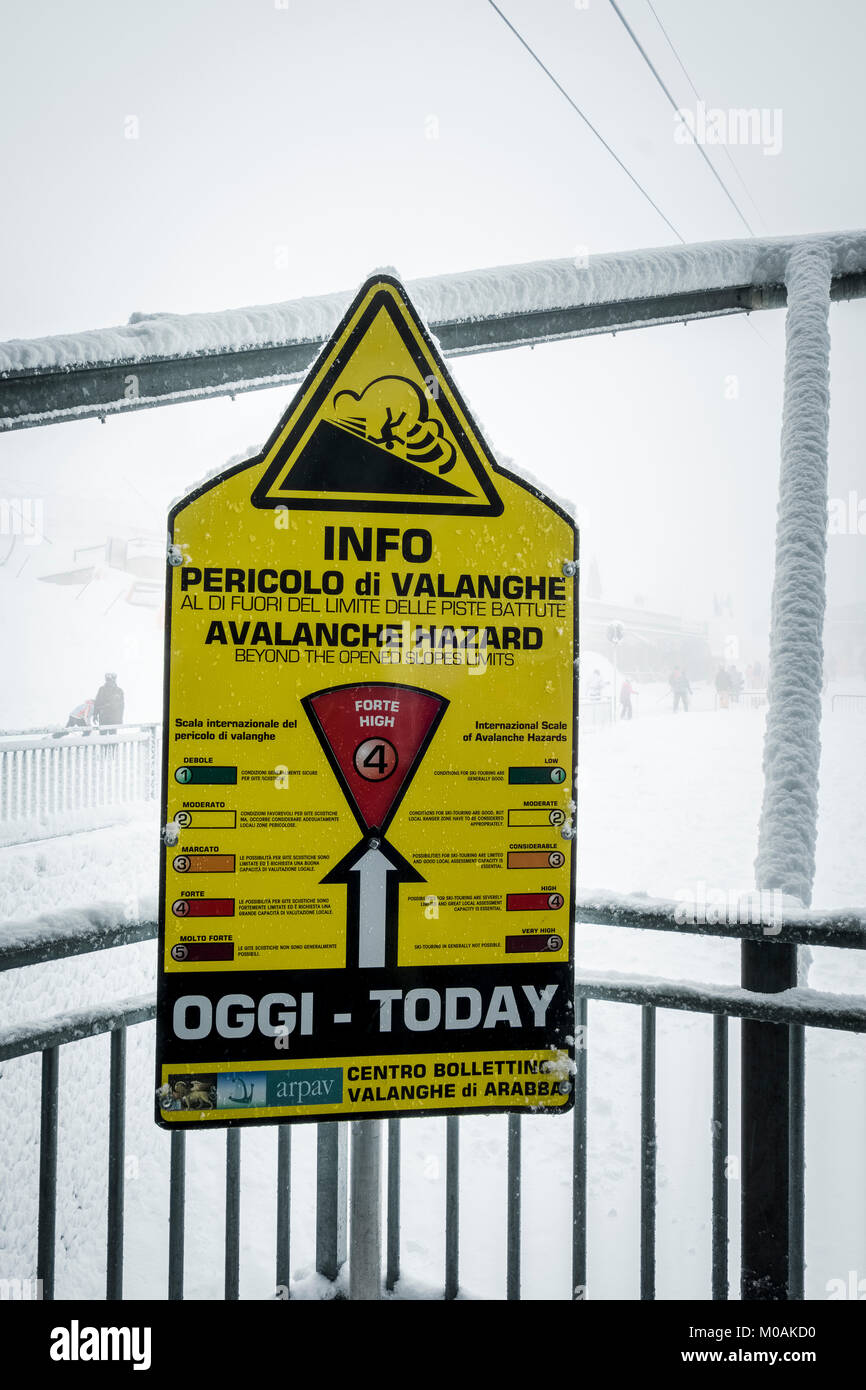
108,705
82,716
596,686
679,684
625,693
737,683
79,718
723,688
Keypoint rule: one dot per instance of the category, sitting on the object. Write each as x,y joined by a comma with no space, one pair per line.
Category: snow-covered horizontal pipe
808,1007
23,1038
463,297
75,931
742,917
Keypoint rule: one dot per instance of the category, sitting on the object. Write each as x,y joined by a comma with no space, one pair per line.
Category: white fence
48,776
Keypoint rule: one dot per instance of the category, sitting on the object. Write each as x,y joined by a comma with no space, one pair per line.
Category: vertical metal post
177,1199
284,1207
116,1162
48,1172
365,1253
233,1214
792,750
579,1166
720,1157
765,1128
797,1137
392,1261
512,1258
648,1153
331,1187
452,1206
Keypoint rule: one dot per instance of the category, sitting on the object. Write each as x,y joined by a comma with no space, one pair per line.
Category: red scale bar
534,902
203,907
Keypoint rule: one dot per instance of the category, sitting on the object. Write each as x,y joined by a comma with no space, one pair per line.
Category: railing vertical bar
45,1247
233,1214
331,1198
365,1234
284,1208
512,1258
116,1163
176,1214
392,1255
720,1157
648,1153
452,1206
579,1166
797,1158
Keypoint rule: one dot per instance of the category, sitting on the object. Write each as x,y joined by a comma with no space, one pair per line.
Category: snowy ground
667,804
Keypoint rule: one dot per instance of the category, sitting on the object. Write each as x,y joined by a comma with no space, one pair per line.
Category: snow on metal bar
74,932
792,745
809,1007
752,917
465,297
23,1038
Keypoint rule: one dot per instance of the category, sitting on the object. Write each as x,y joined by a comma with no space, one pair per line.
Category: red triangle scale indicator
374,736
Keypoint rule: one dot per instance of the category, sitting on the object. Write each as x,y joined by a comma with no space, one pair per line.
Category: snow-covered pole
772,1072
792,746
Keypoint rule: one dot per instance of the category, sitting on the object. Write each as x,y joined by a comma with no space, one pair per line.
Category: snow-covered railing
848,703
754,917
72,932
162,359
46,776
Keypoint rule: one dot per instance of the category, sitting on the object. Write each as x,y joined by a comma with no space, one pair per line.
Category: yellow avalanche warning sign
378,421
369,761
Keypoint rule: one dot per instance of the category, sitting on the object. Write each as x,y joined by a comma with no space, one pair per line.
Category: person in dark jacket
108,705
679,684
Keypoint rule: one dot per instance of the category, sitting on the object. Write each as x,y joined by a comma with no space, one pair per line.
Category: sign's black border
361,507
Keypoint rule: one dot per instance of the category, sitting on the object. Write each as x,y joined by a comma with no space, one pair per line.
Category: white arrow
374,869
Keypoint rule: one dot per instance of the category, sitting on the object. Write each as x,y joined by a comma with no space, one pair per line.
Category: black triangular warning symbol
379,425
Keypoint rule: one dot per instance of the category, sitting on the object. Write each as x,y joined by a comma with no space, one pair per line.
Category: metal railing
46,773
850,704
794,1010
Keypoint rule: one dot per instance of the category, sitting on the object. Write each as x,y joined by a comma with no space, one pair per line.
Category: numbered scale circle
375,759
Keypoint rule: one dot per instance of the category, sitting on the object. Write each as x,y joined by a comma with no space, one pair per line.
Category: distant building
653,642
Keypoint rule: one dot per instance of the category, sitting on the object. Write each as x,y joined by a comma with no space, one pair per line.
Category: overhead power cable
587,121
727,153
701,151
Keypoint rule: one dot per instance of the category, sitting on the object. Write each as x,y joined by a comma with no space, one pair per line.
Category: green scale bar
205,775
536,776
